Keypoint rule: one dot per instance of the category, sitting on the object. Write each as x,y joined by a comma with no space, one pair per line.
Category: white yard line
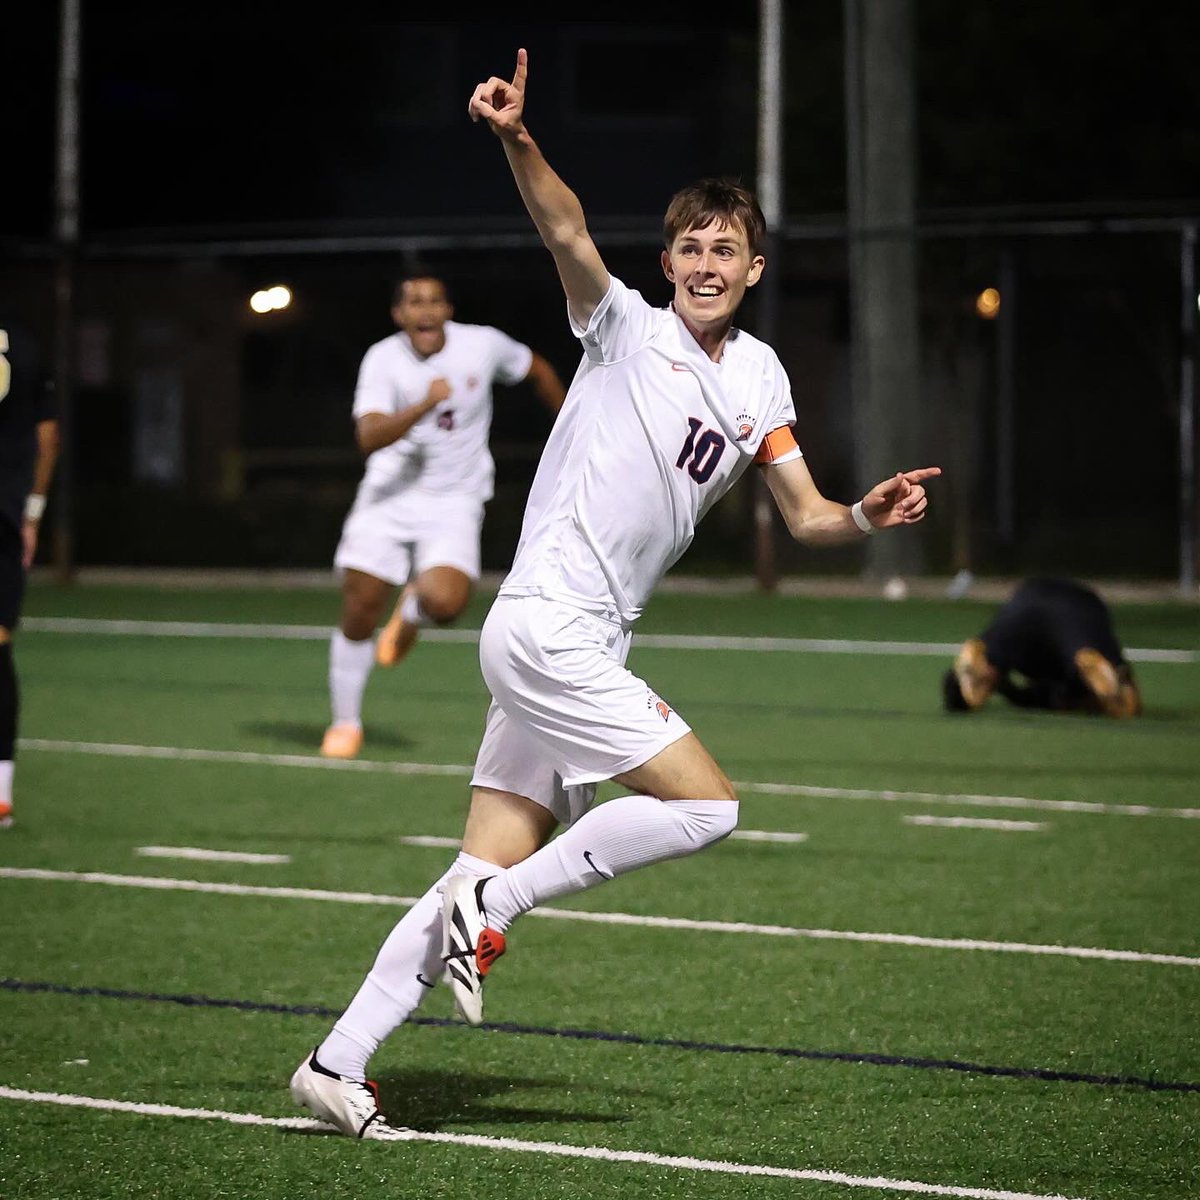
461,770
741,835
657,641
160,883
559,1149
976,823
195,852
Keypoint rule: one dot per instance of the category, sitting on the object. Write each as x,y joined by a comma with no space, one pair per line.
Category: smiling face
421,310
711,268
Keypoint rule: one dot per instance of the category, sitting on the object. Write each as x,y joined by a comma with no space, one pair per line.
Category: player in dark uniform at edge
1058,636
28,451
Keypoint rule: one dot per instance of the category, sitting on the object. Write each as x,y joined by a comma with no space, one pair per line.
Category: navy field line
740,928
867,1058
463,771
655,641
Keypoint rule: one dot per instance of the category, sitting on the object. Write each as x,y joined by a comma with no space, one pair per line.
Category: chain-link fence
205,434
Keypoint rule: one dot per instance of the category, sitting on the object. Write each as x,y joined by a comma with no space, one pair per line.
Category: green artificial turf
988,1068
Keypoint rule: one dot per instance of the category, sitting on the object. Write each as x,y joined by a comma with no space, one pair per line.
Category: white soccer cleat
351,1106
469,947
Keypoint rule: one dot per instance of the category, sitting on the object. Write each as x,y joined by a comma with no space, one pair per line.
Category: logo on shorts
745,426
662,710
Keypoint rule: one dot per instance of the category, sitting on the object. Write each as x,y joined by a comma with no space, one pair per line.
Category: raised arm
555,209
816,521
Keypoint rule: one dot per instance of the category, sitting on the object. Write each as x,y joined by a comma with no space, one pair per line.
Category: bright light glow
270,299
987,304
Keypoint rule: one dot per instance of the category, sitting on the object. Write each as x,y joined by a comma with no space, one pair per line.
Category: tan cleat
1114,696
397,636
342,741
977,678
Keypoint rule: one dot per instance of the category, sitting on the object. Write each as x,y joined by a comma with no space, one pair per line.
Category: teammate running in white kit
423,412
668,408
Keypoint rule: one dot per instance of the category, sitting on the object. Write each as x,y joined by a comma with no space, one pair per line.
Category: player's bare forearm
47,456
546,383
560,221
374,430
816,521
826,524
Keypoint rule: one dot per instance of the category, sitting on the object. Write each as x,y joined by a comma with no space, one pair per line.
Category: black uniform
25,401
1036,636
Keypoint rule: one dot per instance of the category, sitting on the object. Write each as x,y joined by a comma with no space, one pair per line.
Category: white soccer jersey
447,449
651,435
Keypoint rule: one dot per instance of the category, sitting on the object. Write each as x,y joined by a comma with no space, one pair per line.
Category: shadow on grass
429,1100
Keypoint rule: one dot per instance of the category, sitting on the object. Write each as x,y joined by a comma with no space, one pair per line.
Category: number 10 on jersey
702,450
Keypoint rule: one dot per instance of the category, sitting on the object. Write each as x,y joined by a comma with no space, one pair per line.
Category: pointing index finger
922,473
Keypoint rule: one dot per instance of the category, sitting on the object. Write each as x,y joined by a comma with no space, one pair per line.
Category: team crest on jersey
745,426
660,706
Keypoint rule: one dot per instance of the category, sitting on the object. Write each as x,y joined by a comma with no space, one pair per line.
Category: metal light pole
66,237
1187,413
770,196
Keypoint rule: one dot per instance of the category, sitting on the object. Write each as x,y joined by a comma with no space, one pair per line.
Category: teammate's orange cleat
342,741
397,636
977,678
6,817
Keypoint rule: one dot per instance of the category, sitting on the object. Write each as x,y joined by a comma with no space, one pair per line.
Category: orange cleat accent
397,636
977,678
6,817
342,741
489,948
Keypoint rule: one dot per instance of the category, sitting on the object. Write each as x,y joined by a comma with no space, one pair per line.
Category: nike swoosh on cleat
587,854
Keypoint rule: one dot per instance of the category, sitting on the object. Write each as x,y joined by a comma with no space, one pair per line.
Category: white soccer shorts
566,712
398,539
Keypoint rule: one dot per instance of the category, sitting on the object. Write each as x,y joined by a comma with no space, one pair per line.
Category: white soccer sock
407,968
6,778
349,665
612,839
412,612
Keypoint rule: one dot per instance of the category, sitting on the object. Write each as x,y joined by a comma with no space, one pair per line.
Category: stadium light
271,299
987,304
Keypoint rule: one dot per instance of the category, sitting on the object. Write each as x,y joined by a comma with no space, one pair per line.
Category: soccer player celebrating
423,411
28,452
667,410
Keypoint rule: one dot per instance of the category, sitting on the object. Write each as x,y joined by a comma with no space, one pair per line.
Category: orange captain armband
776,444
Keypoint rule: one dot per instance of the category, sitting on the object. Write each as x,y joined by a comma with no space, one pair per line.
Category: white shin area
407,967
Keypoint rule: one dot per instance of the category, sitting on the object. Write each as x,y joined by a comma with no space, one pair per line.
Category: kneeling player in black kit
28,450
1056,636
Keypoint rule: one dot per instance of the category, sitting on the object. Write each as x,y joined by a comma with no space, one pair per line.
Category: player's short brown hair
411,276
723,200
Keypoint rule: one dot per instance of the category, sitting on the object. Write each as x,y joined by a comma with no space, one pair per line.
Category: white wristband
35,505
861,519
